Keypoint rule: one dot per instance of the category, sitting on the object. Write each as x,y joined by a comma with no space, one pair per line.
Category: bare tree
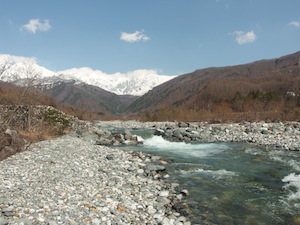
29,75
5,65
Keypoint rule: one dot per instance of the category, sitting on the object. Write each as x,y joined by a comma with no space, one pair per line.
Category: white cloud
35,25
295,24
242,37
134,37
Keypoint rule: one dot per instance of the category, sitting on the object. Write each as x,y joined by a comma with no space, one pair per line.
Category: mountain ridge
87,97
137,82
205,90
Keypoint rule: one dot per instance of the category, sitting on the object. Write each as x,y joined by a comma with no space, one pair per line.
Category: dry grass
36,136
42,133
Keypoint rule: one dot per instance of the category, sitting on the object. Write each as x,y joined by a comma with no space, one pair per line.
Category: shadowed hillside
84,101
12,95
266,89
89,98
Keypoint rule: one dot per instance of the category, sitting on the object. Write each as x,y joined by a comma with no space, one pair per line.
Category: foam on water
215,174
254,151
293,184
264,181
276,156
182,148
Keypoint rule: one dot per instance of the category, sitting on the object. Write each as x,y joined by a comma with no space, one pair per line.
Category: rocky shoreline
75,179
71,180
285,135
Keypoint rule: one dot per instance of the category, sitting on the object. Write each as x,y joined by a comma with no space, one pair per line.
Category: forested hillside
262,90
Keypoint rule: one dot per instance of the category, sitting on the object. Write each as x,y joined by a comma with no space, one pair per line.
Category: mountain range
137,82
265,89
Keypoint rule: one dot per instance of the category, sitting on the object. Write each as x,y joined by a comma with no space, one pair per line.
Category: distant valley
261,90
81,88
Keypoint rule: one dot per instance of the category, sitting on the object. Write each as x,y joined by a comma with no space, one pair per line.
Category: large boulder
11,142
183,124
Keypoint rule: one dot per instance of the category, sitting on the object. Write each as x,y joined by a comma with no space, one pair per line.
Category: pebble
164,194
185,192
140,171
96,221
3,221
70,180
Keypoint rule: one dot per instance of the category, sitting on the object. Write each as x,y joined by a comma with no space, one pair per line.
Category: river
232,183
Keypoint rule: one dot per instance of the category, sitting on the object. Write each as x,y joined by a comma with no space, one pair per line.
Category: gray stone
159,132
164,194
183,124
140,171
96,221
109,157
3,221
177,134
8,209
156,168
184,192
151,210
103,141
8,214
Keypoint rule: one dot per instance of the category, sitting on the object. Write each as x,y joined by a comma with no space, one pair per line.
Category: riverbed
231,183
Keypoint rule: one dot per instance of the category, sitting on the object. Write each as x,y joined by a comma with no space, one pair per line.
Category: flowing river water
232,183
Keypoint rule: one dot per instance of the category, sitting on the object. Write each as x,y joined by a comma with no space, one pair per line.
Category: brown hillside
11,94
260,88
89,98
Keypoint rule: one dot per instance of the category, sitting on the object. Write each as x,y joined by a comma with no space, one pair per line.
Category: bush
56,119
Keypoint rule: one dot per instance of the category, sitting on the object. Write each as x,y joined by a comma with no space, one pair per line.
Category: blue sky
170,36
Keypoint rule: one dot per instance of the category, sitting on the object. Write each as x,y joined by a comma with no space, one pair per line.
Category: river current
232,183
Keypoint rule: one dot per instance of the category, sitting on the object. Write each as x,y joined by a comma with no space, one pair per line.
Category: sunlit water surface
232,183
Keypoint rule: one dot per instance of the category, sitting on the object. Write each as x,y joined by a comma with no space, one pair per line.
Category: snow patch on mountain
137,82
13,68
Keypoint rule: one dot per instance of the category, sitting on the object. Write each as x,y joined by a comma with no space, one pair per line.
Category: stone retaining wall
25,117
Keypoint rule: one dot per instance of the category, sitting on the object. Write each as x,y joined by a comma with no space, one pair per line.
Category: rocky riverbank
71,180
284,135
75,179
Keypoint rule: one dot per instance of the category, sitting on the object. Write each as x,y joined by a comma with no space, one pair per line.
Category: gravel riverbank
285,135
71,180
76,180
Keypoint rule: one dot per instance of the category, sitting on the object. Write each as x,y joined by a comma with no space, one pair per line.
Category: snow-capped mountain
137,82
13,68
